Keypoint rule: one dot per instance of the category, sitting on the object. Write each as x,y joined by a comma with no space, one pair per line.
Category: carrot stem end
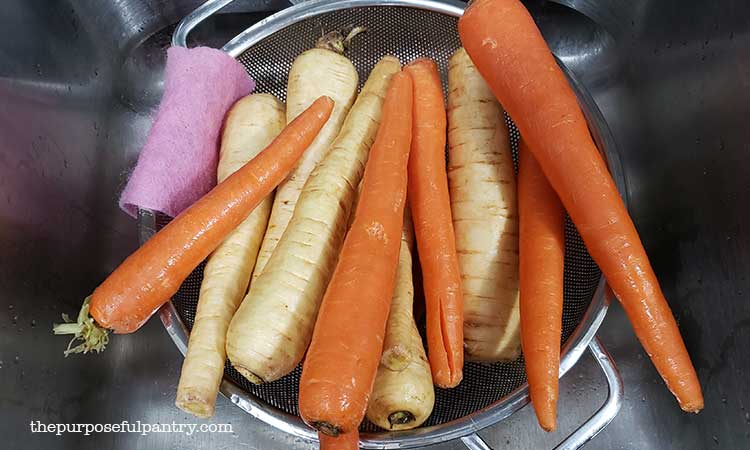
326,428
84,329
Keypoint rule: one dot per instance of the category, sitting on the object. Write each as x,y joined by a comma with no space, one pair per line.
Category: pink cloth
178,163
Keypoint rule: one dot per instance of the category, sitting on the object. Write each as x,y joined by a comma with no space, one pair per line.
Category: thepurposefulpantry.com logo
125,426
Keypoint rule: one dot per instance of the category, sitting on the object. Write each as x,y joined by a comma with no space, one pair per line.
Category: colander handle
596,423
601,418
201,13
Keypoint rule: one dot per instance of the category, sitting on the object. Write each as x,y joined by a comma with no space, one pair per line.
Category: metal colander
407,29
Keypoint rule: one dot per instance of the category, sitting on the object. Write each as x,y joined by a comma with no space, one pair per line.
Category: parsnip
403,394
318,71
485,216
271,330
251,124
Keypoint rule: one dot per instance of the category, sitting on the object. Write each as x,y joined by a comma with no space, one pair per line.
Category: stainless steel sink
79,80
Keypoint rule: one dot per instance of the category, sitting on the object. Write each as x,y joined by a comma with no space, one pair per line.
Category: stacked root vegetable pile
322,204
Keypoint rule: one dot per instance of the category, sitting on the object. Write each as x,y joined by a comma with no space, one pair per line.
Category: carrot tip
692,407
548,427
84,329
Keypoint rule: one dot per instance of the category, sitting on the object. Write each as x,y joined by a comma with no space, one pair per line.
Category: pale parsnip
485,217
403,394
315,72
251,124
272,329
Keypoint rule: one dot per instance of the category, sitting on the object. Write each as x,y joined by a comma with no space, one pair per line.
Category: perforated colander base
408,34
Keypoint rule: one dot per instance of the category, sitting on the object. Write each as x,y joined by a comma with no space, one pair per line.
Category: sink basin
79,81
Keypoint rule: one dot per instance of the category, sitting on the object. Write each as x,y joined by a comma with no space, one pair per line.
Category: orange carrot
433,226
510,53
154,272
341,363
345,441
542,247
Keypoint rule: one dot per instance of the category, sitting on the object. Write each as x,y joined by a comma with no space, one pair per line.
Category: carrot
430,207
347,441
154,272
542,244
340,367
509,51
